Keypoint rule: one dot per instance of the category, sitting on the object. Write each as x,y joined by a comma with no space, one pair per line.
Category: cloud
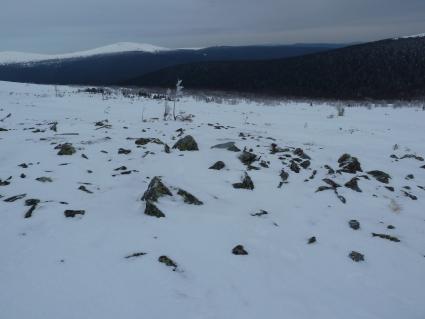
63,25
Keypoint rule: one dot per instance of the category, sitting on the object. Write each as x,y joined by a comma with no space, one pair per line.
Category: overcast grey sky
56,26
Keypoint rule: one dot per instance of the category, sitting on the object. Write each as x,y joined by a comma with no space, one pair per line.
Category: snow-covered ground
52,266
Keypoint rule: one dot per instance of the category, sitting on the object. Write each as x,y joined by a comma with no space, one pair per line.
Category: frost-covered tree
167,108
178,93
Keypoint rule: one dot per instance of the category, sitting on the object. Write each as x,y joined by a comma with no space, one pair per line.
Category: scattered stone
391,227
294,167
419,158
385,236
330,170
156,189
168,262
28,214
390,188
44,179
239,250
260,213
300,153
15,198
3,129
23,175
330,182
186,143
143,141
311,240
409,177
218,165
306,164
84,156
230,146
152,210
5,182
264,164
188,198
380,176
167,149
354,224
124,151
84,189
23,165
247,158
66,149
121,168
411,196
323,188
352,184
341,198
32,201
73,213
135,255
356,256
246,183
349,164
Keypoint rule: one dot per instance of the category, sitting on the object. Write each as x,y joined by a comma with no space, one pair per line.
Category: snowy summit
9,57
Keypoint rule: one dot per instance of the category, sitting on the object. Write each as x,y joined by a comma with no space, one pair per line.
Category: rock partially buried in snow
239,250
356,256
152,210
218,165
230,146
349,164
380,176
66,149
352,184
354,224
186,143
246,183
73,213
188,198
247,158
44,179
168,262
156,189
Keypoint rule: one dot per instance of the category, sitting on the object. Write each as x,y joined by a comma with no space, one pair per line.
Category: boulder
186,143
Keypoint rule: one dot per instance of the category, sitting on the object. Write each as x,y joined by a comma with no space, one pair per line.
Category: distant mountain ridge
387,69
118,63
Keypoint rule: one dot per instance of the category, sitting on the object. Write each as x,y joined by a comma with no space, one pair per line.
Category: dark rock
300,153
349,164
239,250
284,175
385,236
330,182
354,224
28,214
380,176
23,165
247,158
306,164
390,188
84,189
356,256
264,164
152,210
341,198
44,179
66,149
330,170
3,129
294,167
311,240
156,189
323,188
409,177
31,201
167,149
135,255
23,175
419,158
168,262
143,141
230,146
411,196
188,198
14,198
186,143
246,183
352,184
73,213
260,213
124,151
84,156
391,227
218,165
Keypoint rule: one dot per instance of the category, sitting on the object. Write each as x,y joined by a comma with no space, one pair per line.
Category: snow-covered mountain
21,57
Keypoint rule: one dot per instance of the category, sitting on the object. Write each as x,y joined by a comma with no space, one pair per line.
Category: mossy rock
186,143
152,210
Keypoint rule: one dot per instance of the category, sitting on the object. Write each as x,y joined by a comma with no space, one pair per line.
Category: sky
59,26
